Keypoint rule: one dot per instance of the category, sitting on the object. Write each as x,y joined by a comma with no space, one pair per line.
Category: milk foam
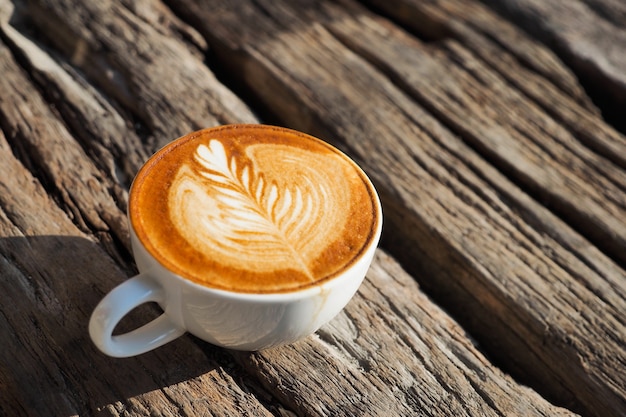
252,208
275,207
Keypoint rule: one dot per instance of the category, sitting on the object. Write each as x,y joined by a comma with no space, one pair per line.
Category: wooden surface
499,288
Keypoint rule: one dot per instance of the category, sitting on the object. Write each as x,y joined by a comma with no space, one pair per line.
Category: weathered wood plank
475,235
151,74
591,43
51,276
511,283
45,145
501,44
68,272
396,354
612,10
529,145
527,66
104,133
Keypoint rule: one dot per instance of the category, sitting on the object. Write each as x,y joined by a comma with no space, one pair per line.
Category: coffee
253,209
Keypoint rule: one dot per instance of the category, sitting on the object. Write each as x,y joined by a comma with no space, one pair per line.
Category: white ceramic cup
241,321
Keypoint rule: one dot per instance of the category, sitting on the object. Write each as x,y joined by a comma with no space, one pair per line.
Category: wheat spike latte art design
260,215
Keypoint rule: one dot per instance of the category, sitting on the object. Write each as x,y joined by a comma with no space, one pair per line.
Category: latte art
253,209
277,211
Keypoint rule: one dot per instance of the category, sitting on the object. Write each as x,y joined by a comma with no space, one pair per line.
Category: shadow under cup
241,320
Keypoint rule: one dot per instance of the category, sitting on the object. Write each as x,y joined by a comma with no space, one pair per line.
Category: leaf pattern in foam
247,218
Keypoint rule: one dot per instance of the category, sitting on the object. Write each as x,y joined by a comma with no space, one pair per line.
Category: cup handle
117,304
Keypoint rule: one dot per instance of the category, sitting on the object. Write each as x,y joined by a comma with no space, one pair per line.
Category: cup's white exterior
233,320
230,319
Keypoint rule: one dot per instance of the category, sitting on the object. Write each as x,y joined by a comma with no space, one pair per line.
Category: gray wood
611,10
152,74
52,275
415,361
531,68
428,365
483,260
544,155
590,35
502,187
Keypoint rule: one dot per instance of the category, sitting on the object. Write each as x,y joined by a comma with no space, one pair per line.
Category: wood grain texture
494,168
150,73
523,61
52,275
530,68
488,263
45,146
612,10
62,272
426,365
533,148
590,35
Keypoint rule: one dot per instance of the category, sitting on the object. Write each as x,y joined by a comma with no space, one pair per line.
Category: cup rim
328,281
